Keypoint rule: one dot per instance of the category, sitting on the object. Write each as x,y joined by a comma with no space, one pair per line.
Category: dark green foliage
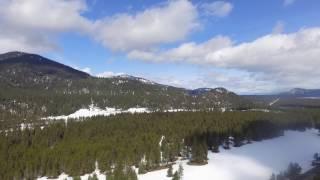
123,173
316,177
170,171
176,176
199,150
124,140
180,171
94,177
132,175
273,177
142,168
291,173
316,157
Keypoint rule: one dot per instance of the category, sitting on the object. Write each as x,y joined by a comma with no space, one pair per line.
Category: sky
246,46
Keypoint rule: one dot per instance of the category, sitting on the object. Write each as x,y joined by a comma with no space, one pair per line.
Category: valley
58,122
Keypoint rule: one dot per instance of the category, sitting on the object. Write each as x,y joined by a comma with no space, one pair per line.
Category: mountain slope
299,92
32,85
19,69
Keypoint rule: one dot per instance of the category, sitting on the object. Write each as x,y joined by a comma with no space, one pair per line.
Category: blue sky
246,46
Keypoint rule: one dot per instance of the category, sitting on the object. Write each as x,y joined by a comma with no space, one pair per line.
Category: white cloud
278,28
32,25
165,24
108,74
287,59
288,2
25,42
87,70
188,51
217,8
51,15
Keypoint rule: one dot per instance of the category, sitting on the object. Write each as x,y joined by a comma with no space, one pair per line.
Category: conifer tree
180,171
93,177
142,168
76,178
199,151
132,175
176,176
293,171
170,171
273,177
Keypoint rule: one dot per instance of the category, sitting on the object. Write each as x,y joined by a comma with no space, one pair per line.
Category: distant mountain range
299,92
32,85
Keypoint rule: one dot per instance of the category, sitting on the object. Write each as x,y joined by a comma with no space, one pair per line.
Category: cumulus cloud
51,15
217,8
170,22
33,25
185,52
154,26
287,59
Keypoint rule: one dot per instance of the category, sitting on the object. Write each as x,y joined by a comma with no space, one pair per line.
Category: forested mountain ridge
32,85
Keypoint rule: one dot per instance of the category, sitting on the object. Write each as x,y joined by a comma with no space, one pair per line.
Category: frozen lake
256,161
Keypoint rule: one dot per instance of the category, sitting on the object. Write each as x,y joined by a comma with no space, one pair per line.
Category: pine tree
170,171
176,176
199,150
142,168
273,177
76,178
180,171
293,171
94,177
316,157
132,175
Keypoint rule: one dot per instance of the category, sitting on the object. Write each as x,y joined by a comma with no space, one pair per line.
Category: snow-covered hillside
256,161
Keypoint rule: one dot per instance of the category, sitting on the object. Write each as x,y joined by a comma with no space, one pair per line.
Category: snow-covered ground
273,102
96,111
256,161
309,98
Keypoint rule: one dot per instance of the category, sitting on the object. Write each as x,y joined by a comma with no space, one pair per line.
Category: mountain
18,69
297,98
32,85
299,92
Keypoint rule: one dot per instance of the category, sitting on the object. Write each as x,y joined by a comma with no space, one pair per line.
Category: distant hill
299,92
32,85
294,98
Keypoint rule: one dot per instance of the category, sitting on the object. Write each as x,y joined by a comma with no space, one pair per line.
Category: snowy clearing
96,111
256,161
